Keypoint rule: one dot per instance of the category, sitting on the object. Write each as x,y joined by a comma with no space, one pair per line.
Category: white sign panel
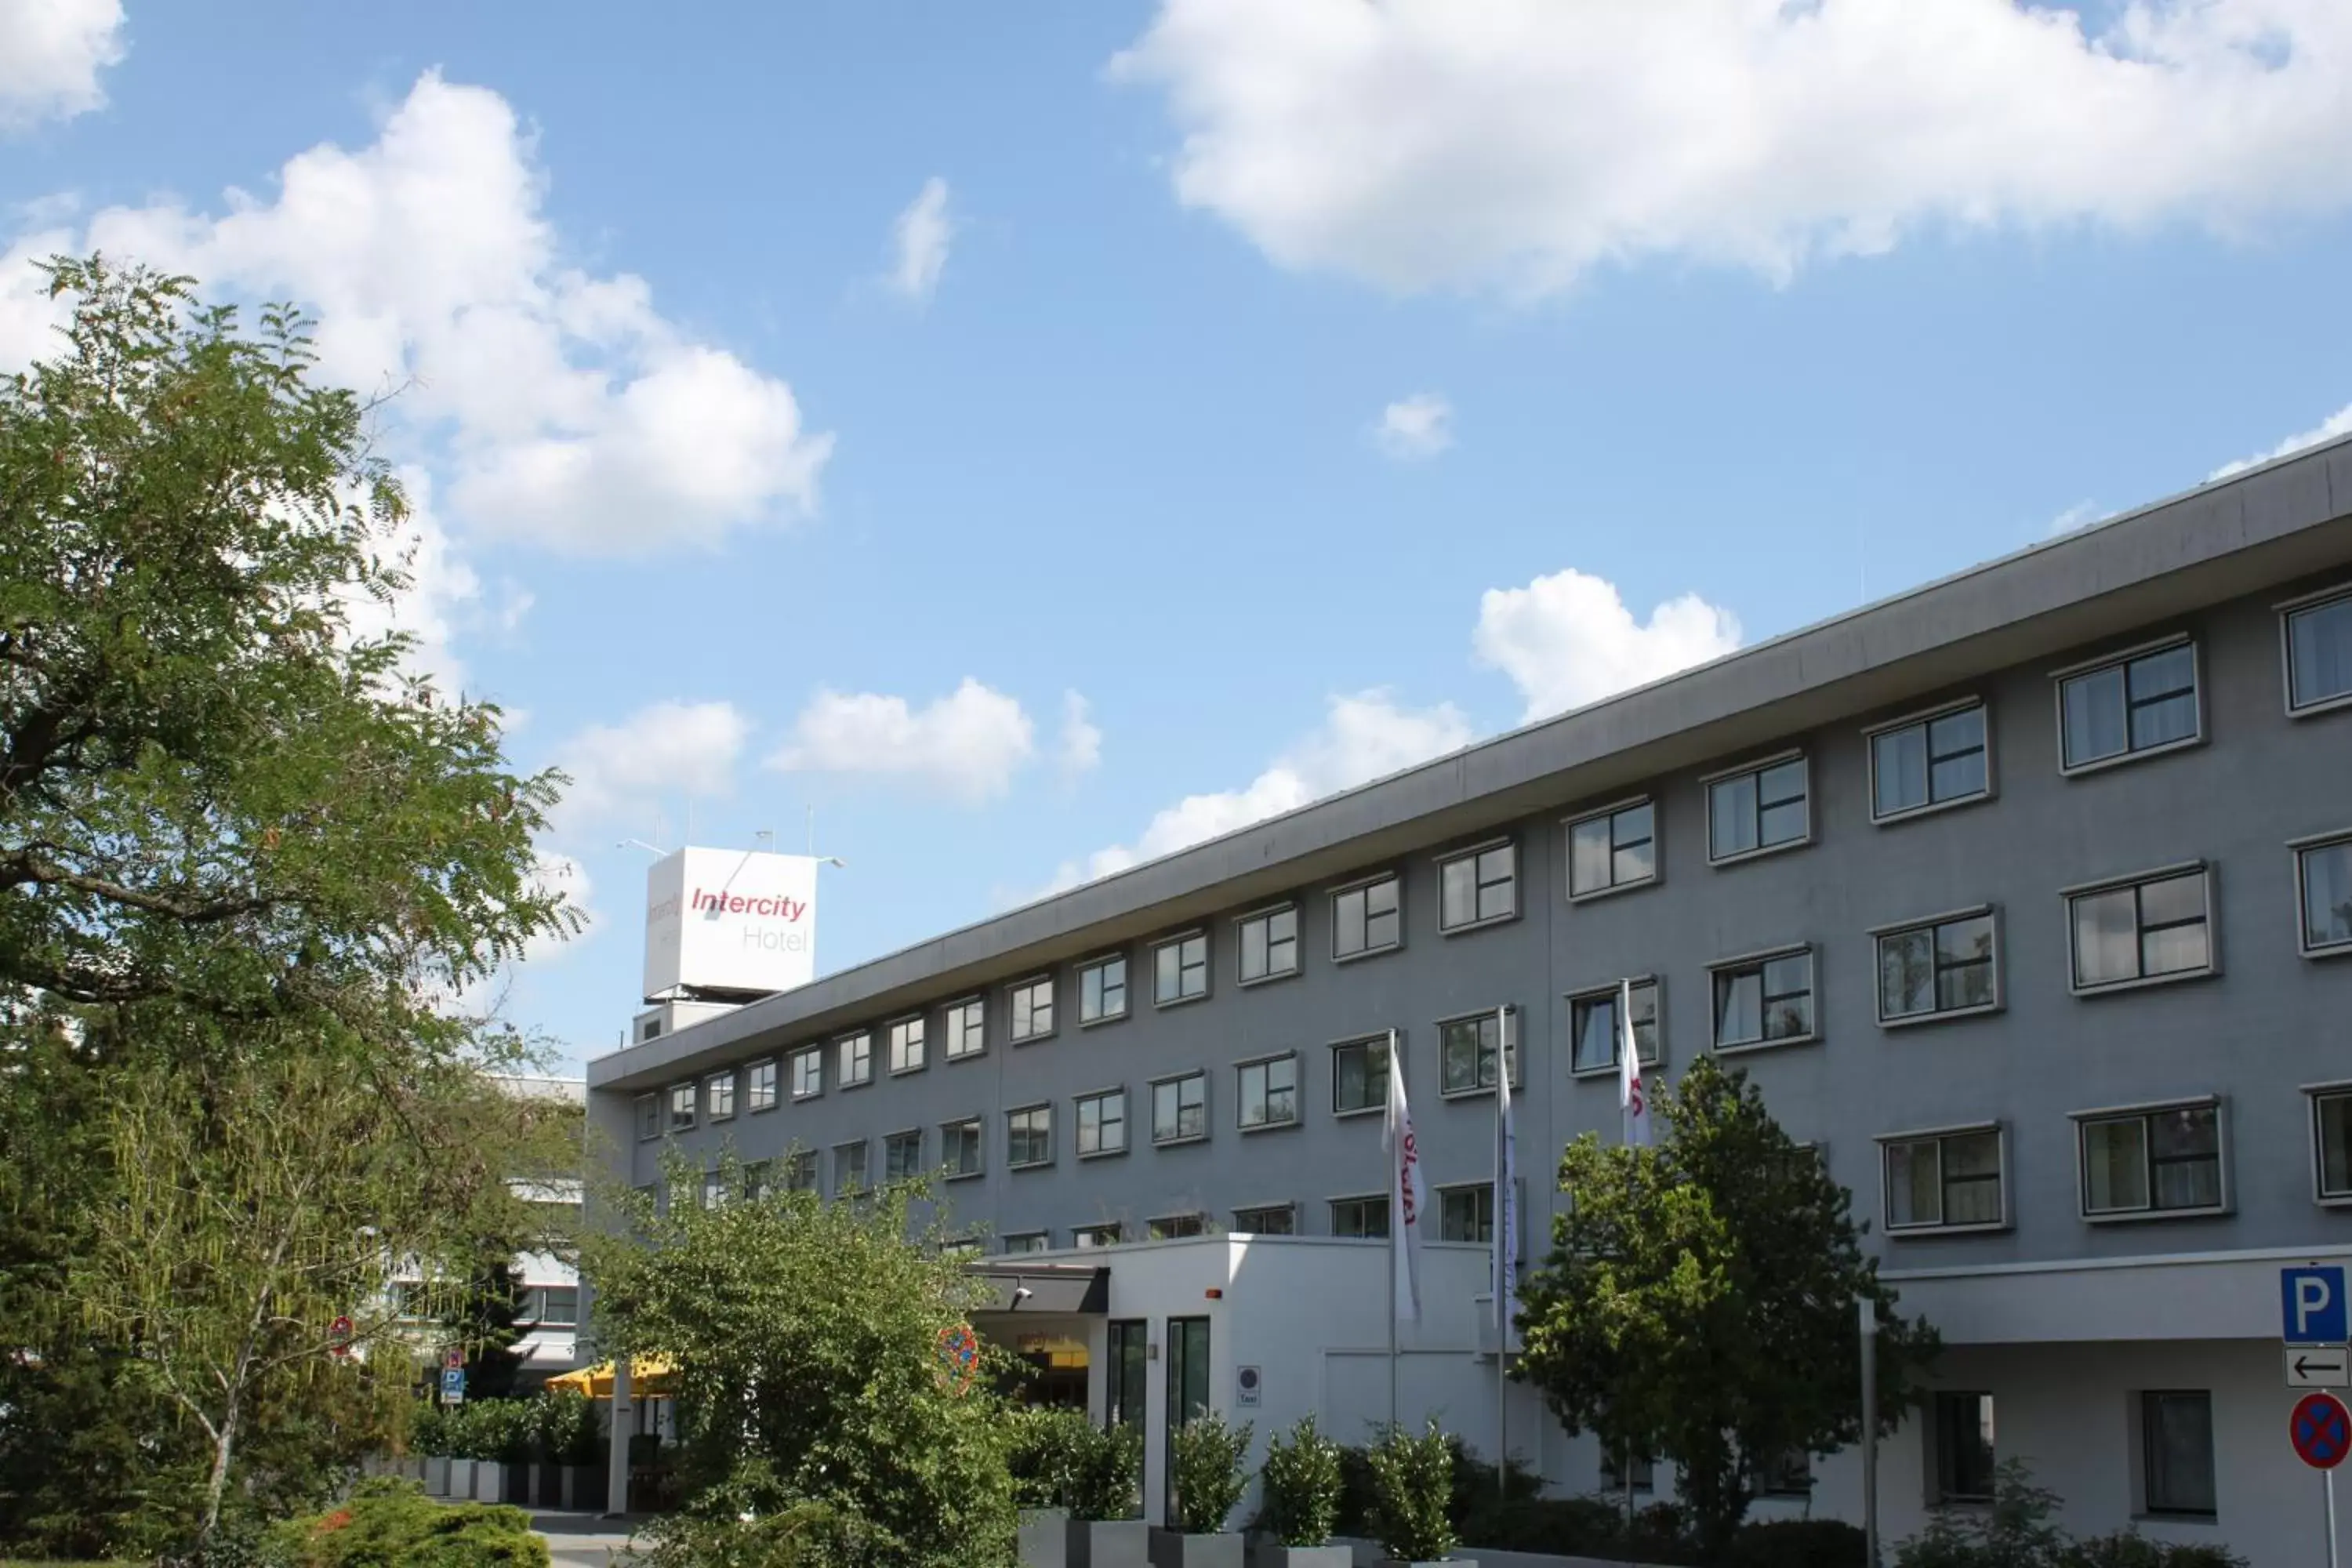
730,920
2318,1366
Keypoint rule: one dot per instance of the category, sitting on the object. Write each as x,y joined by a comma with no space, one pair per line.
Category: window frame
977,1127
1923,719
711,1082
1125,981
1078,1122
1387,1041
2287,609
1090,1237
956,1019
1298,1117
1014,991
1931,924
2147,1400
752,1103
794,1162
1331,1215
1758,766
650,1127
1940,1467
2314,1094
1207,966
1201,1074
1265,913
792,1082
1197,1218
671,1125
1475,1190
921,1039
901,1135
2299,847
1044,1107
1010,1236
841,1043
2122,658
1586,993
1940,1135
2145,1113
1289,1208
1473,853
1611,813
1364,885
2136,879
1507,1055
864,1167
1757,961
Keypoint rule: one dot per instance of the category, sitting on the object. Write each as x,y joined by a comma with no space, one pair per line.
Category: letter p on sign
2312,1302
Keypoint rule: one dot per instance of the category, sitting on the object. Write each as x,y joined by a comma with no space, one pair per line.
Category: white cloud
2337,424
921,234
967,744
1363,736
1079,749
556,406
1515,143
443,598
561,874
1566,639
624,773
1420,426
50,53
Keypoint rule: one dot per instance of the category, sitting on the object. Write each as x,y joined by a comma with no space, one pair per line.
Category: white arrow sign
2318,1366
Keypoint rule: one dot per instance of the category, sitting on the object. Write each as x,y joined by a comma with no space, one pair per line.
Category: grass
53,1563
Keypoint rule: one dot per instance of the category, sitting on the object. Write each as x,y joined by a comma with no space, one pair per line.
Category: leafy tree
1210,1475
1699,1300
816,1419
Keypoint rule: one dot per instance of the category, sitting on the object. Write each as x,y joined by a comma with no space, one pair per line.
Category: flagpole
1395,1238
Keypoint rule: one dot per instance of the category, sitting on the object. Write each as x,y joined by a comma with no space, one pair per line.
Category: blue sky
1038,437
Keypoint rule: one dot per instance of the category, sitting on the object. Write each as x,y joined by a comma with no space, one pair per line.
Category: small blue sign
2312,1305
453,1385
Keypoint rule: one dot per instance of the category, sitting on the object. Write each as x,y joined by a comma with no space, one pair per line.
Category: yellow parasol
649,1378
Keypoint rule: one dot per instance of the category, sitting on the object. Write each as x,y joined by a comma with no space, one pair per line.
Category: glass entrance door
1188,1393
1123,1358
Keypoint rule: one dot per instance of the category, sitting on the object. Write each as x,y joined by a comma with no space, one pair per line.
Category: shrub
1300,1502
391,1523
1412,1484
1796,1543
567,1428
2017,1533
1210,1474
428,1430
1042,1449
1105,1473
2129,1549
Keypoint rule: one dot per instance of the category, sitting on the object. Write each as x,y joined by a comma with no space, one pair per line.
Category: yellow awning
649,1377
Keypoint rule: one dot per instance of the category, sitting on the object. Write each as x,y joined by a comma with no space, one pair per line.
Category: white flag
1407,1196
1507,1193
1633,1098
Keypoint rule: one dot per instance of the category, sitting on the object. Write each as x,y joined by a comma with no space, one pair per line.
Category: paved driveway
584,1540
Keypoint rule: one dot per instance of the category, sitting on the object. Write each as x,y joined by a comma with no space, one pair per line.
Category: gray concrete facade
2211,566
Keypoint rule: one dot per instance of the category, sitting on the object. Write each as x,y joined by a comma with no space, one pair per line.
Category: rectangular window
1102,990
1467,1049
1936,969
1366,918
2162,1160
1268,1220
1029,1241
1102,1122
759,1179
902,1155
553,1307
1920,763
1179,969
1266,1092
681,1107
966,1024
2331,1135
1593,1020
1170,1228
1466,1214
1269,941
1614,1479
960,1148
1764,1001
1096,1235
1180,1109
906,1045
1945,1181
714,1190
1478,885
1787,1473
2157,927
2323,874
1964,1447
1031,1003
848,1168
808,1073
2319,653
1361,1217
2176,1452
719,1095
800,1171
1029,1136
1612,850
2129,707
853,1060
650,1116
1359,1076
1759,808
760,1086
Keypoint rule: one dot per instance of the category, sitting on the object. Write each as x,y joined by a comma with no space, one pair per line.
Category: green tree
818,1421
1699,1300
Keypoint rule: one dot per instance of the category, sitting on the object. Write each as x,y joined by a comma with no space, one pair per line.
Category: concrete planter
461,1480
1272,1554
585,1488
1109,1543
1174,1549
489,1480
1044,1538
437,1476
546,1485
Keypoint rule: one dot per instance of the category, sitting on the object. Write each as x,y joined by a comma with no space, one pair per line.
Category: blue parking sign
453,1386
2312,1305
